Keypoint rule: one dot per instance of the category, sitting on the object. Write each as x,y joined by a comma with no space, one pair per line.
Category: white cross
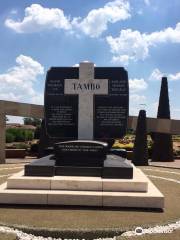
86,87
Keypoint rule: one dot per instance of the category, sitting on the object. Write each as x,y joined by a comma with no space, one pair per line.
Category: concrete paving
20,160
175,164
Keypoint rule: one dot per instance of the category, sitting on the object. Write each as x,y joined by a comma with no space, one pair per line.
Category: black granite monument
88,107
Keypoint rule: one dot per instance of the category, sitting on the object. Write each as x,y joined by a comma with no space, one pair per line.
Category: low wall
32,110
15,153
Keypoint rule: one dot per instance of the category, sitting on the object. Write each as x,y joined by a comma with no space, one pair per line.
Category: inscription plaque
80,153
86,102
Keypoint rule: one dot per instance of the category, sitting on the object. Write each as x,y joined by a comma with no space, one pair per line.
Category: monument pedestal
113,167
138,192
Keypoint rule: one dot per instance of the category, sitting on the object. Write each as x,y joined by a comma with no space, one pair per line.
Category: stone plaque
80,153
81,149
86,102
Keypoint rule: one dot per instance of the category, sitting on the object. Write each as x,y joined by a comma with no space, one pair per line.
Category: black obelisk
163,145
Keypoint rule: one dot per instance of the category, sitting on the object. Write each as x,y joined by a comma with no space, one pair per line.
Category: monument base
113,167
138,192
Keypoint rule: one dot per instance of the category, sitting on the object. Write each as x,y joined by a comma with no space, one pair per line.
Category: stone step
113,167
139,183
150,199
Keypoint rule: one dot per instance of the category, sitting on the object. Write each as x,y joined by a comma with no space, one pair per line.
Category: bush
19,135
28,135
32,121
21,146
128,146
176,153
18,146
10,137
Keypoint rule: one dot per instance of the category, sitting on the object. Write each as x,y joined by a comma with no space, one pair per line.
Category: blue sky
141,35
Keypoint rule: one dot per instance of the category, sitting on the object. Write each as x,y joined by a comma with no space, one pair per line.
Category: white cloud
8,95
38,18
147,2
175,113
169,34
14,11
151,109
140,12
123,59
77,64
136,85
133,45
14,119
137,99
17,84
157,75
97,19
38,98
130,45
174,77
136,103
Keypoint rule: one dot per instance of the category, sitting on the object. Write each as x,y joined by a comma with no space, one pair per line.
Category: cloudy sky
141,35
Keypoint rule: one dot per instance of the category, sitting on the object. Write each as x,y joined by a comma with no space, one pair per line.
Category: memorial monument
85,109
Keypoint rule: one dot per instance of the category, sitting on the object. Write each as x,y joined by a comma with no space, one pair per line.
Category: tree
32,121
140,152
163,145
